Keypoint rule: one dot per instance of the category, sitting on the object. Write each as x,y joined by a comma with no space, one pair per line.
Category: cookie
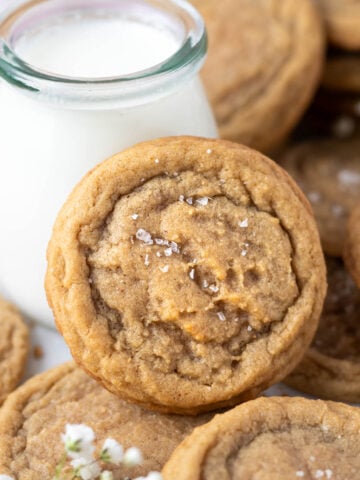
342,20
352,244
342,73
328,171
34,417
14,346
331,367
272,439
263,66
186,274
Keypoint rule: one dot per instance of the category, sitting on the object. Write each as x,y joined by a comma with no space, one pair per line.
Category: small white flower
78,440
106,475
5,477
87,470
154,476
112,451
133,457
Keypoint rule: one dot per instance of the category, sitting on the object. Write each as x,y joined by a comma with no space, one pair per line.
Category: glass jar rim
130,88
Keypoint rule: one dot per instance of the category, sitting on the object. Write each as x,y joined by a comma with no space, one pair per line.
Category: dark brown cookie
342,73
264,64
186,274
34,417
331,367
273,439
352,244
328,171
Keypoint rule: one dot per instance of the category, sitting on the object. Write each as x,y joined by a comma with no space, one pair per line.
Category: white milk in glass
80,82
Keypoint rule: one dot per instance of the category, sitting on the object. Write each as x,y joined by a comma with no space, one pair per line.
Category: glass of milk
79,81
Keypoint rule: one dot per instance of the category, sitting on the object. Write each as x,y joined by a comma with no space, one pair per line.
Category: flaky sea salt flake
147,260
300,473
221,316
168,252
214,288
144,236
192,273
165,268
134,216
189,200
209,151
203,201
244,223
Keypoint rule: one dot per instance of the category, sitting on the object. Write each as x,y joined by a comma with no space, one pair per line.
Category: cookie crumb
38,352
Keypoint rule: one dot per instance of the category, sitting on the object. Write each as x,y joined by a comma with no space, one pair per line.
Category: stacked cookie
264,65
336,108
328,171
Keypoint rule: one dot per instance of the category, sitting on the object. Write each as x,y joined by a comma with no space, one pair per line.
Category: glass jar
55,127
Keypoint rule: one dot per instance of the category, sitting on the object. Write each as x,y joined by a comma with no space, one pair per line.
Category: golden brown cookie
274,438
186,274
352,244
342,72
342,20
264,64
14,346
34,417
331,367
328,171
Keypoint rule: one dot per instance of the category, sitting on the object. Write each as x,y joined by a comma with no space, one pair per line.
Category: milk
48,143
100,46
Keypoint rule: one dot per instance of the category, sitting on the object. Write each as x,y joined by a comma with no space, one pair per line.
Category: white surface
95,47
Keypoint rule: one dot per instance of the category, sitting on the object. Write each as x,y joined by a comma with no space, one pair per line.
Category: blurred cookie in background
14,347
352,244
265,62
331,367
328,171
342,20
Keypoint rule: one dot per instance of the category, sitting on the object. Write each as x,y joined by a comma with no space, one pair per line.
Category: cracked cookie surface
271,439
186,274
331,367
34,417
14,346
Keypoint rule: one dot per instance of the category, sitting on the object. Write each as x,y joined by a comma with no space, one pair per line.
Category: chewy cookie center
181,263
